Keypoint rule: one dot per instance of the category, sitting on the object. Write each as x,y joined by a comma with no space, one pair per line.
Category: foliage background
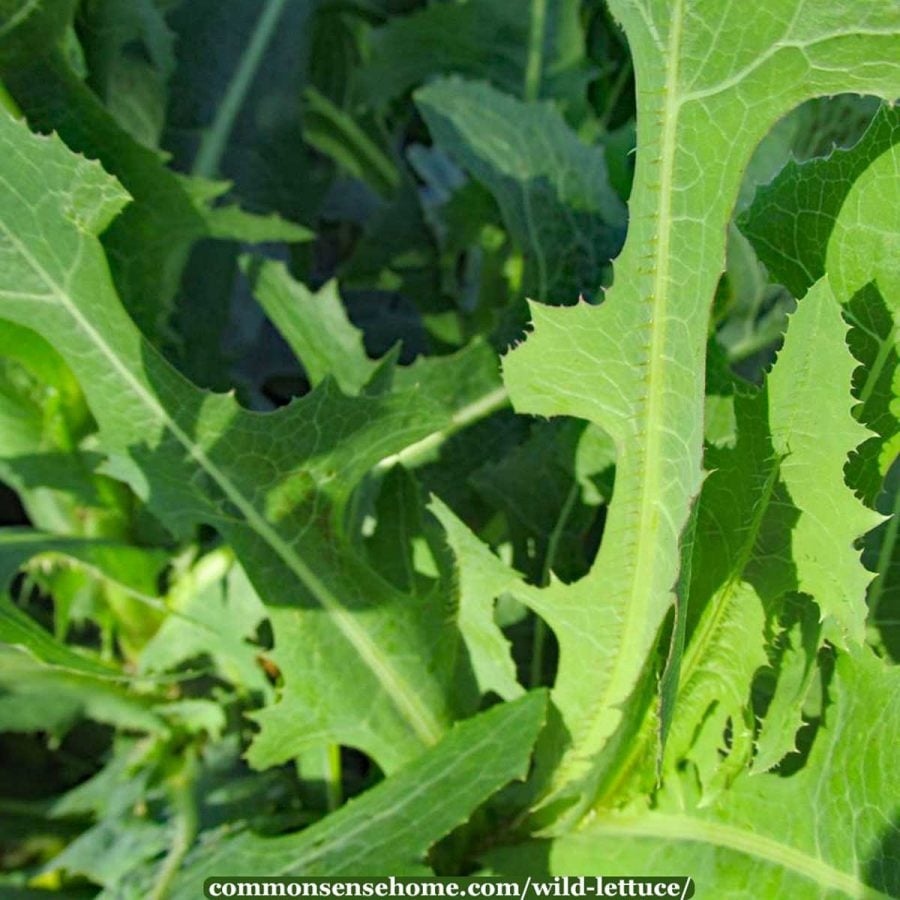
357,197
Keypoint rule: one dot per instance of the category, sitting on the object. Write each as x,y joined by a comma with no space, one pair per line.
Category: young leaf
814,363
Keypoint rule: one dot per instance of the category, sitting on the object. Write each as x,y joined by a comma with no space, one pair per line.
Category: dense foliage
449,437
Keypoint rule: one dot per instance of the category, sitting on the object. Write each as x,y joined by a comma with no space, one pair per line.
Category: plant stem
184,811
534,64
333,794
212,146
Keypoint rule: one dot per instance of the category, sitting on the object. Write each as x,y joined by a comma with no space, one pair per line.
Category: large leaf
364,664
747,845
711,82
387,830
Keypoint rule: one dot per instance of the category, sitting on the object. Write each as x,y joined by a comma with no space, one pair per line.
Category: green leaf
35,696
552,190
790,221
389,828
480,576
149,244
343,636
759,541
231,223
830,213
814,365
315,325
749,843
134,568
214,612
634,366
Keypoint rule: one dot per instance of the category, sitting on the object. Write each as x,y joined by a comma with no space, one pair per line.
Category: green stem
333,794
184,811
535,62
540,629
216,137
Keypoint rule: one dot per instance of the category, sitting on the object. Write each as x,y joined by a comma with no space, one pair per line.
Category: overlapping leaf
745,845
706,96
149,244
368,670
552,190
389,829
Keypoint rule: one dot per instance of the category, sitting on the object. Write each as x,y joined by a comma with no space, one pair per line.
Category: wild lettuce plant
523,408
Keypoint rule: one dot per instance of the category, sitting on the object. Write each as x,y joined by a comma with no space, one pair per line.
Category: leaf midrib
404,698
679,827
640,595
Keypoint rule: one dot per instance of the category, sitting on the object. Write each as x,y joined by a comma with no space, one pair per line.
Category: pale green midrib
640,596
673,827
417,452
403,696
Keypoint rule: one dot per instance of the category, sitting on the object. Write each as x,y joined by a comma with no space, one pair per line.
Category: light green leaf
711,82
840,842
814,368
865,243
214,612
231,223
134,568
790,221
35,696
833,213
388,830
480,578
